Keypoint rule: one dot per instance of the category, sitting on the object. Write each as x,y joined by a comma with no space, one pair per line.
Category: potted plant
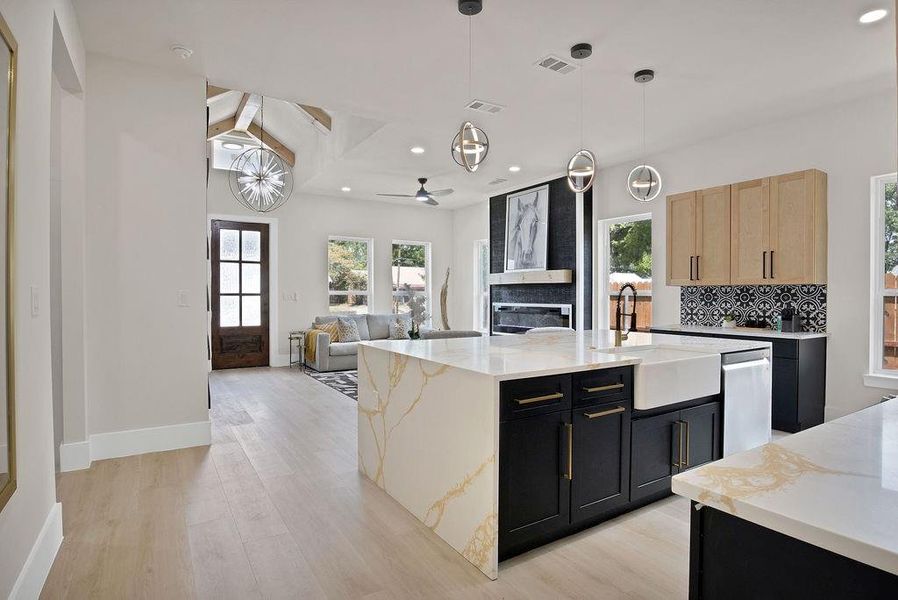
729,321
417,311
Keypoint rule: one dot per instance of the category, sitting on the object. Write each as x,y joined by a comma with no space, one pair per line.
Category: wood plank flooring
275,508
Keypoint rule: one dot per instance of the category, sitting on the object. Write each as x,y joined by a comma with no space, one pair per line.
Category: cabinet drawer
785,349
604,385
534,396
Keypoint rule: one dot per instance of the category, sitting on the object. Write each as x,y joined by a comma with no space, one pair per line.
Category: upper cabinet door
681,222
712,236
797,228
750,219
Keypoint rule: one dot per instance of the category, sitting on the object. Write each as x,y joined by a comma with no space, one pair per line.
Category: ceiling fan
423,195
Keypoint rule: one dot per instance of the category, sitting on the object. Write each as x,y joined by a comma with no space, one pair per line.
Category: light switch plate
182,298
35,301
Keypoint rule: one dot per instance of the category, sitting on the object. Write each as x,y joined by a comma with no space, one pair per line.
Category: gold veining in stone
435,512
377,416
779,468
479,549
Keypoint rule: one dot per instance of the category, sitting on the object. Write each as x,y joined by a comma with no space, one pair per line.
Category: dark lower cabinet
601,460
702,442
534,492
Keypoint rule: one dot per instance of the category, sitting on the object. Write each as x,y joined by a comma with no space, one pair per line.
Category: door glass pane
252,246
228,278
252,311
252,281
229,313
229,244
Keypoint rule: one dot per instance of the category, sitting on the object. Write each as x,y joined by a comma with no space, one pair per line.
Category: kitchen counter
742,331
834,486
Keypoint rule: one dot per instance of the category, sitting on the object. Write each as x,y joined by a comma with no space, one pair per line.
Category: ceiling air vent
553,63
498,180
486,107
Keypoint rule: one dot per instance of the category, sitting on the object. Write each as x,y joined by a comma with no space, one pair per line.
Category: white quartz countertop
511,356
834,486
743,331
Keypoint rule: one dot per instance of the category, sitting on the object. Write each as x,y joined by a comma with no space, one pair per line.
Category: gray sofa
342,356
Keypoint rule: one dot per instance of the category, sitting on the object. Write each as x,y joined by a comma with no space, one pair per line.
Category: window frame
877,376
369,293
481,313
603,247
428,276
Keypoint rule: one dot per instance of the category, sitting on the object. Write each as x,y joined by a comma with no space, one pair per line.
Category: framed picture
527,230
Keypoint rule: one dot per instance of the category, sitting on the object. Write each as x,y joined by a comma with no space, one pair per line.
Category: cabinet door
534,492
792,242
702,442
750,210
601,467
681,224
712,236
785,394
655,453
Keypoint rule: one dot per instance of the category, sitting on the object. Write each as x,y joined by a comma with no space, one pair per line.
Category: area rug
345,382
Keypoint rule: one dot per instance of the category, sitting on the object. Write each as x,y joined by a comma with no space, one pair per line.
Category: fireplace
511,318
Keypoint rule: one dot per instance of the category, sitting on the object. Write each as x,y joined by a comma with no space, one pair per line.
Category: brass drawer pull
686,423
603,388
604,413
570,452
554,396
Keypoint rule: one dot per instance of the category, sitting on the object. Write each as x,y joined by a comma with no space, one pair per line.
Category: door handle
764,263
604,413
690,268
555,396
698,271
603,388
771,264
569,472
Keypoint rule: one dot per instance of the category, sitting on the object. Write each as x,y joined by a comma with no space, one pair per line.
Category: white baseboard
34,572
280,360
74,456
115,444
4,456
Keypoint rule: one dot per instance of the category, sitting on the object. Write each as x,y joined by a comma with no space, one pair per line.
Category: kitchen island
814,515
431,415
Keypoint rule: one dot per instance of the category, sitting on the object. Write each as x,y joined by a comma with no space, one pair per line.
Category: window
240,278
884,303
410,274
349,274
626,257
482,285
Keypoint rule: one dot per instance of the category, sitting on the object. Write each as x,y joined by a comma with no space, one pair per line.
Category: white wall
145,224
304,224
850,142
32,505
470,224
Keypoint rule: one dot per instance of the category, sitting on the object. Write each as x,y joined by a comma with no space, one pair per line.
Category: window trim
876,376
428,275
603,262
369,293
478,316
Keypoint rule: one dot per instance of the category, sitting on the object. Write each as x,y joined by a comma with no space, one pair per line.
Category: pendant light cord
262,124
470,53
643,124
581,104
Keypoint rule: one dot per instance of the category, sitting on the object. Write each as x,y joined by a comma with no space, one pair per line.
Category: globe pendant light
471,144
644,181
581,168
260,179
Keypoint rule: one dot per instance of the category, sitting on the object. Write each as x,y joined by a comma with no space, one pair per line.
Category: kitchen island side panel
428,436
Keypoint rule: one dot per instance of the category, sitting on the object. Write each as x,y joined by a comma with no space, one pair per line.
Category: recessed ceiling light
346,188
514,168
181,51
417,150
872,16
232,146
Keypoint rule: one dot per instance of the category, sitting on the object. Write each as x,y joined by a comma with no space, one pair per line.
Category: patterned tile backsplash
707,305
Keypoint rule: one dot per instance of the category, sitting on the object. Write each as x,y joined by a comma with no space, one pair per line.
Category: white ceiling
722,65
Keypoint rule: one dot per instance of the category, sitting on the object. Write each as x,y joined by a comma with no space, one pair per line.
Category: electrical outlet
35,301
182,298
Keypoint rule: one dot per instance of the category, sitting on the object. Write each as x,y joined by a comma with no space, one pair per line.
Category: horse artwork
527,229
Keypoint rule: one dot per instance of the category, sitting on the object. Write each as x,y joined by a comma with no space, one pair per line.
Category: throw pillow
399,329
348,330
331,329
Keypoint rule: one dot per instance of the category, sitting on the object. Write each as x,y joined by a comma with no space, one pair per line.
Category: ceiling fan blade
429,201
398,195
445,192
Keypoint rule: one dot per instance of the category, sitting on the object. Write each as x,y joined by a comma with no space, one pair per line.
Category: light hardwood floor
275,508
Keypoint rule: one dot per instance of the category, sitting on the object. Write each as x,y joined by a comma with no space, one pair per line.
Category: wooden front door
239,294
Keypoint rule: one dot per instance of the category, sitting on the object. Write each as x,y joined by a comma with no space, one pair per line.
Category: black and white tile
707,305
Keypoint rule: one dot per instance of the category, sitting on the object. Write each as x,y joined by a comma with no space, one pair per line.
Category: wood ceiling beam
213,90
246,110
276,146
221,127
318,114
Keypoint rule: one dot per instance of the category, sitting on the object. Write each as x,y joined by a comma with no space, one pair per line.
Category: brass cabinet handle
679,458
570,451
554,396
603,388
604,413
686,464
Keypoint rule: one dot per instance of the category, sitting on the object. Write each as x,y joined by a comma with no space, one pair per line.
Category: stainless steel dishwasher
747,403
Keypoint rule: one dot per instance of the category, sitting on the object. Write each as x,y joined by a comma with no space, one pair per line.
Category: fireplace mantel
525,277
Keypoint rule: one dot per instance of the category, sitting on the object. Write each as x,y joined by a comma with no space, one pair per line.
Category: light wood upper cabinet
712,236
751,231
798,228
681,223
